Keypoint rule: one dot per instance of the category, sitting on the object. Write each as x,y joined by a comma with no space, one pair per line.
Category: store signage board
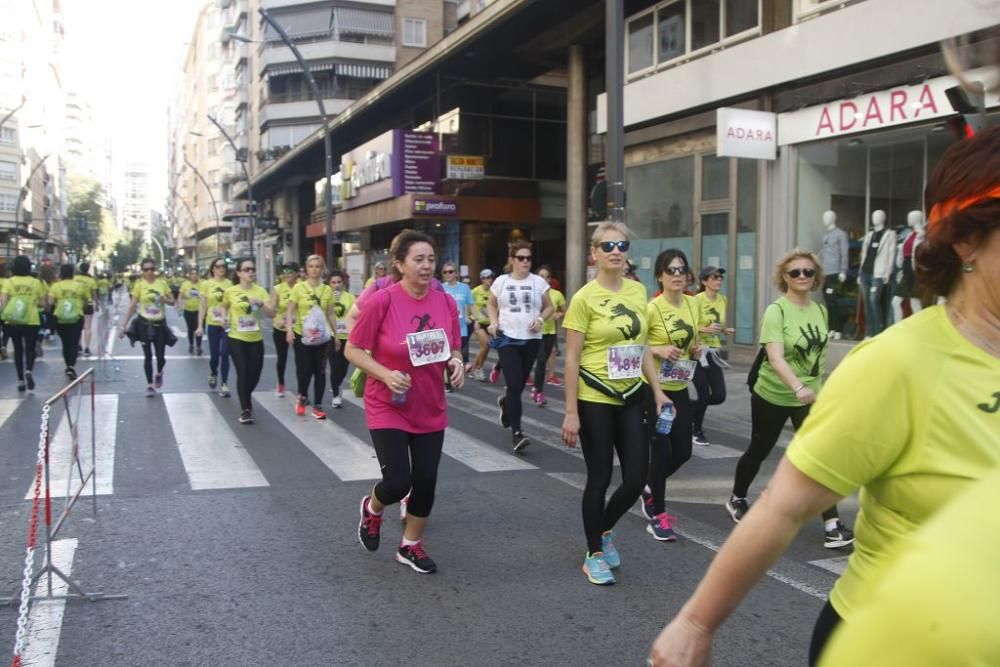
465,167
367,172
882,109
435,207
416,163
746,133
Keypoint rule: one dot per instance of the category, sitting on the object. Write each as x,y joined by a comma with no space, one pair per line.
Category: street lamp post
215,207
246,176
13,111
20,200
194,221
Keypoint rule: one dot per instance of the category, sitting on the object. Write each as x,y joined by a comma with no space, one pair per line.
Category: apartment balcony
274,112
277,4
279,54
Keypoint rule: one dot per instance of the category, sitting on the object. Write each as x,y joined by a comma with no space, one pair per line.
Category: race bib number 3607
625,362
428,347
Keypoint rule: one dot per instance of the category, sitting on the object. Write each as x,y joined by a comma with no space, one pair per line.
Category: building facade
135,202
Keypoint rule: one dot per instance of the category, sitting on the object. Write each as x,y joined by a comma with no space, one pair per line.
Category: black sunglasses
247,269
148,269
447,271
523,258
608,246
795,273
676,270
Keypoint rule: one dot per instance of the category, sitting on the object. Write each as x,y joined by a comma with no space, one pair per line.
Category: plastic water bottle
666,420
399,397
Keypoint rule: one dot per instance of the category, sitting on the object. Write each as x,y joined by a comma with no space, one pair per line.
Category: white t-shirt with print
519,303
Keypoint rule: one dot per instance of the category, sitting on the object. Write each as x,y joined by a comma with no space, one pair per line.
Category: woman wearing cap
462,295
481,296
709,378
280,294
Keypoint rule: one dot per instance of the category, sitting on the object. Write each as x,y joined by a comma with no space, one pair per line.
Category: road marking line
61,452
7,408
212,454
578,481
349,458
835,565
46,616
174,357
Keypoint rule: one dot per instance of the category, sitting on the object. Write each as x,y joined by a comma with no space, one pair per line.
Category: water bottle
399,397
666,420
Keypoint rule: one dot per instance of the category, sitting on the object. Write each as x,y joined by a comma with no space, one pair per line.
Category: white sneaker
336,402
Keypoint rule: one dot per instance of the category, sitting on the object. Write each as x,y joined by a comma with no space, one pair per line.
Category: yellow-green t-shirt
804,333
305,296
212,290
606,319
558,303
911,418
340,308
190,295
103,286
152,304
481,297
244,318
674,325
284,291
69,297
25,295
712,312
89,283
370,282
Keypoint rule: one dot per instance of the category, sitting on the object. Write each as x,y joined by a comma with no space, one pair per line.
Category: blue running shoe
611,556
597,570
647,504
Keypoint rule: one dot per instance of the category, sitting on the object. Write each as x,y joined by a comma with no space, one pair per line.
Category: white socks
831,524
409,543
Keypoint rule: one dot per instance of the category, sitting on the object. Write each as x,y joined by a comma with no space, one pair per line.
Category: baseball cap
709,270
485,273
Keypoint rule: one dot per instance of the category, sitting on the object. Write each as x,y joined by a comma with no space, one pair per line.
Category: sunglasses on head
523,258
795,273
676,270
608,246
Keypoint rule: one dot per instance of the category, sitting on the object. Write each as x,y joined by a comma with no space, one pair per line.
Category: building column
472,248
576,172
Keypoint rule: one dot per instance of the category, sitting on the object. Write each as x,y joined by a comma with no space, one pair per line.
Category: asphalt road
237,545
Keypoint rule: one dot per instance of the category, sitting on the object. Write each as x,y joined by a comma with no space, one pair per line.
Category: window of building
660,204
8,203
809,8
8,170
414,32
672,31
213,84
640,43
714,177
8,136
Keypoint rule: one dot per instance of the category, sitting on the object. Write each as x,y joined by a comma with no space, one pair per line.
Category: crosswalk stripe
347,456
45,619
7,407
467,449
212,454
835,565
61,469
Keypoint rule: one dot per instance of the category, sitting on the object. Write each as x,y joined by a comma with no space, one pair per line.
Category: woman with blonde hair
310,358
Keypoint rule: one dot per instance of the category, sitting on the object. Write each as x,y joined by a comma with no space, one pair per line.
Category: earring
968,267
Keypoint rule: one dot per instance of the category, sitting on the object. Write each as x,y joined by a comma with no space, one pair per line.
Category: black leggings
281,348
191,320
159,345
409,465
826,623
544,351
766,422
516,362
25,337
338,367
604,430
710,383
69,334
248,359
667,453
310,362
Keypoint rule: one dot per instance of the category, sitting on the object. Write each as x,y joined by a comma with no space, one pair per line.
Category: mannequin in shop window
878,254
905,287
834,255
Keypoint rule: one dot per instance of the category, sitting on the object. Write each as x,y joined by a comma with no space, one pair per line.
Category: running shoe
224,390
197,350
150,392
502,404
494,374
280,392
661,527
190,349
554,381
86,351
336,402
415,556
158,380
318,413
611,556
370,528
29,379
300,408
737,508
839,537
478,375
539,399
213,381
532,391
520,442
402,507
20,386
246,417
698,438
71,372
597,570
647,504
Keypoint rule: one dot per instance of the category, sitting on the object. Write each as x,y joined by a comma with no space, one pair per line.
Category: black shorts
88,309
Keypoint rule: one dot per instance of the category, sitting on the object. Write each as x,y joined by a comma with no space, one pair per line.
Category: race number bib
428,347
152,312
681,370
625,361
217,314
247,323
341,327
193,293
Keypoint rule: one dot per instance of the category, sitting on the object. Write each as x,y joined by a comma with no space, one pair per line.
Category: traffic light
970,107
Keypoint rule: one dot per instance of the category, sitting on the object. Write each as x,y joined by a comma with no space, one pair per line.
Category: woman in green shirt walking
243,304
67,298
21,297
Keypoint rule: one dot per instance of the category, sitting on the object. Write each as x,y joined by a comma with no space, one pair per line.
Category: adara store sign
882,109
745,133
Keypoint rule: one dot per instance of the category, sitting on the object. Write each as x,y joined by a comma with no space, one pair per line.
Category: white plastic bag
315,330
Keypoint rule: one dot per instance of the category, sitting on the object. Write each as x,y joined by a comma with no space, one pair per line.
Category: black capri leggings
281,350
25,336
710,383
158,344
409,465
667,453
604,430
338,366
544,351
191,320
69,334
516,362
248,359
310,364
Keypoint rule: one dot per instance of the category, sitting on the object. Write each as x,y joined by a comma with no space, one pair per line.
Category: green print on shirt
245,302
339,310
714,314
423,322
991,409
807,350
635,326
678,325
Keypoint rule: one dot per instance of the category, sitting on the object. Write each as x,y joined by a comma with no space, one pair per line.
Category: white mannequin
834,253
830,223
915,221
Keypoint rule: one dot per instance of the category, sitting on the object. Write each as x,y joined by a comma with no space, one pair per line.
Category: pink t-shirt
389,314
384,282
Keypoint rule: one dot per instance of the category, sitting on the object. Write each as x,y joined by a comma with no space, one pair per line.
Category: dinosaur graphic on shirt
635,325
677,325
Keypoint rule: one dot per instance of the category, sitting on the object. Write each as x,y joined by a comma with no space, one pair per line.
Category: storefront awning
363,22
283,70
300,24
364,71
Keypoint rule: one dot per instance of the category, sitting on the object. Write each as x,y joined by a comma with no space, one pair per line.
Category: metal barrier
77,474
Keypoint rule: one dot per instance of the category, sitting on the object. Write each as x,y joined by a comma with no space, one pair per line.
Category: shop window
746,195
640,43
704,23
714,177
659,198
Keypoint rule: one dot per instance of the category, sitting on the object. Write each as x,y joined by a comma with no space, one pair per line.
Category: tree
84,212
127,251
